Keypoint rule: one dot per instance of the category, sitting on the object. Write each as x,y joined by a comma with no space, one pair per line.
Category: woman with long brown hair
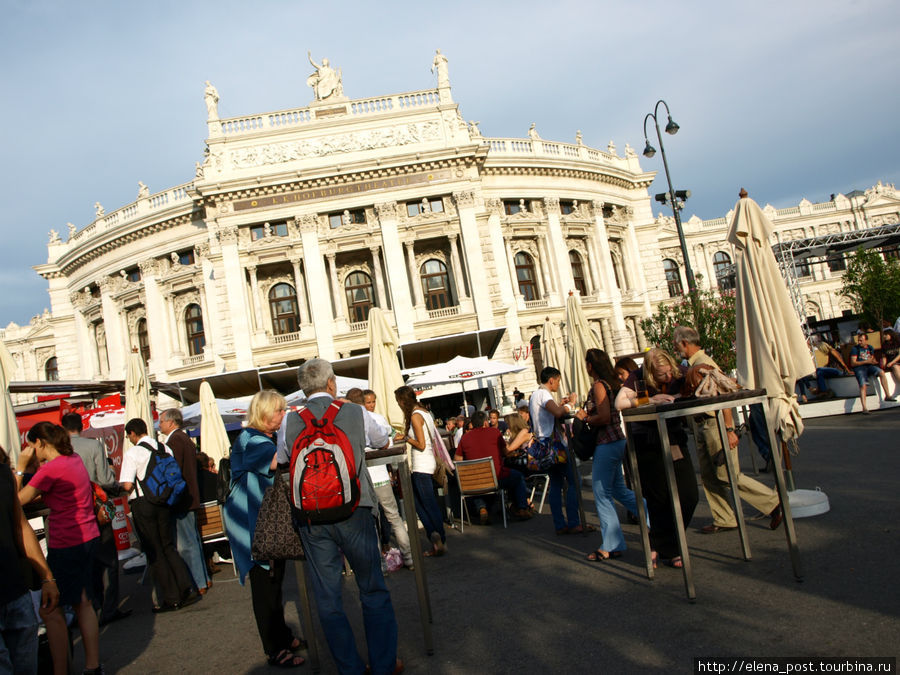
607,478
664,380
419,426
63,482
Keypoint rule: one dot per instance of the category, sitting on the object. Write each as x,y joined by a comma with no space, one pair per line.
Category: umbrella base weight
807,503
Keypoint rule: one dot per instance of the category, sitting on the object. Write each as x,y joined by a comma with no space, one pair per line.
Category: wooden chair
477,477
212,526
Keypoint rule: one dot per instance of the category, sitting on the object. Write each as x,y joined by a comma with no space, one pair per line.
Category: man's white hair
313,376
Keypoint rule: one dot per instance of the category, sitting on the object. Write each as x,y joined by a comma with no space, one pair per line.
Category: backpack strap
332,411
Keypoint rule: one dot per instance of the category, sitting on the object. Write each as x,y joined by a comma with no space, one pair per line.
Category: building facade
298,222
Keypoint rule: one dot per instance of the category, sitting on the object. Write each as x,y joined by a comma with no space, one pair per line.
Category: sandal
673,562
602,556
654,558
578,529
298,644
286,659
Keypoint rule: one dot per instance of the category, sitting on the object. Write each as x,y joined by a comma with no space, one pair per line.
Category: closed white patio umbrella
579,338
384,368
9,430
213,438
553,354
137,392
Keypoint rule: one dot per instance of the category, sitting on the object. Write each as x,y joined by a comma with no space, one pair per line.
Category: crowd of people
80,572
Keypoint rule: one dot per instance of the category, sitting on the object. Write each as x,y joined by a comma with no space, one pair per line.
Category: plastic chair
533,478
477,477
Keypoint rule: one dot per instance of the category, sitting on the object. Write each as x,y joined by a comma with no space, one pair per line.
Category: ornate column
254,298
212,321
116,341
401,299
617,331
591,262
457,268
559,250
174,333
300,290
378,277
509,285
335,285
544,264
606,330
511,265
639,333
414,275
238,312
88,367
157,321
640,284
471,243
317,280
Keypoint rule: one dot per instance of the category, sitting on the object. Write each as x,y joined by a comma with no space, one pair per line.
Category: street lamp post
672,196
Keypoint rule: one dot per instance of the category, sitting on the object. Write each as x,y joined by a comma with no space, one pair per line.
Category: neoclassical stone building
298,222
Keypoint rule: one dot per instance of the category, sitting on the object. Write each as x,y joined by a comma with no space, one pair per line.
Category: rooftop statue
440,64
143,190
532,132
99,210
474,131
211,96
326,81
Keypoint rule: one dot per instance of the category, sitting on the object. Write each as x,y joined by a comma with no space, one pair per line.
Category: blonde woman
664,380
252,471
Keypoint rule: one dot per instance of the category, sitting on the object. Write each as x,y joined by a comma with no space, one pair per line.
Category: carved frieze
180,302
494,206
227,234
306,223
149,267
551,204
321,146
464,198
386,210
432,253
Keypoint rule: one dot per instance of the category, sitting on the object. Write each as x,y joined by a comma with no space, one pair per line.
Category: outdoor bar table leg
308,624
745,411
575,478
676,507
642,509
418,559
790,533
732,480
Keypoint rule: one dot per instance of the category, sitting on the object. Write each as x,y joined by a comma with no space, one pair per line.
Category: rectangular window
186,257
279,229
427,205
511,207
836,262
335,220
134,274
566,207
257,232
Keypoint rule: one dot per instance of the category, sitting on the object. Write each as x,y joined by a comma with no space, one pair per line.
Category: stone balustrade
537,304
444,312
193,360
521,147
251,124
175,196
285,338
358,326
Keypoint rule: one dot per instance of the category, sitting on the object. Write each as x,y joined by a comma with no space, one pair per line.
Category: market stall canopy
463,369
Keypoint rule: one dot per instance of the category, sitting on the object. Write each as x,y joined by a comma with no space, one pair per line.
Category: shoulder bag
275,537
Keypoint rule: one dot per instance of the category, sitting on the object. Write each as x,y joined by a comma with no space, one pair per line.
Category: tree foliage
714,322
873,286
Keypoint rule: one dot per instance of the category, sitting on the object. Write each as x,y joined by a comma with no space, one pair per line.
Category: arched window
360,297
525,276
143,340
51,369
285,314
435,284
577,272
673,278
724,270
193,322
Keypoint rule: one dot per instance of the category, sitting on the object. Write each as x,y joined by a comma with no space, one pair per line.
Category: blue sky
788,99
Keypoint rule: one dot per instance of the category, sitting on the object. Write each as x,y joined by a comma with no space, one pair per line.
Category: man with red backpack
333,498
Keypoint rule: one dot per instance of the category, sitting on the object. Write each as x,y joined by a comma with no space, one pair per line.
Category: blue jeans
514,485
559,477
609,484
190,547
18,636
866,371
759,432
822,373
357,539
426,505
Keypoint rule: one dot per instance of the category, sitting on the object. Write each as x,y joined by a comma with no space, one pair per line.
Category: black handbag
584,439
275,537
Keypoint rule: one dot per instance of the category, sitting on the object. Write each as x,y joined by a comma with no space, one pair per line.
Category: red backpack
324,483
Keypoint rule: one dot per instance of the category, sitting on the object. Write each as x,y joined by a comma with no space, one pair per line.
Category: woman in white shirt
419,427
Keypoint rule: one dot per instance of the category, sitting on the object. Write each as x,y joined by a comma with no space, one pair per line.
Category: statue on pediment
143,190
99,210
579,139
629,151
440,65
611,148
54,237
532,132
211,96
474,131
326,82
72,229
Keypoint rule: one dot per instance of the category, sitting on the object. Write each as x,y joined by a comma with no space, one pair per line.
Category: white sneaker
136,561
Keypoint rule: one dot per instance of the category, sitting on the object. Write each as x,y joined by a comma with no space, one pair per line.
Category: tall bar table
659,413
396,456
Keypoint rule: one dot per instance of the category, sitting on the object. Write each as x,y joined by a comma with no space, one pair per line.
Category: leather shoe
777,516
715,529
189,598
118,614
166,607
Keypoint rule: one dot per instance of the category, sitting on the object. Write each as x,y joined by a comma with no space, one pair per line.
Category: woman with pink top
63,482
